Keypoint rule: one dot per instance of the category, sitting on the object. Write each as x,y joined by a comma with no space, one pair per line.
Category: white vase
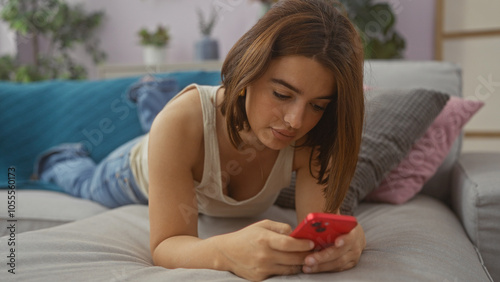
154,55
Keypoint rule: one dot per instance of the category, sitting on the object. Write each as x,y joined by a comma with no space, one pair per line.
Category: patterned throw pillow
427,154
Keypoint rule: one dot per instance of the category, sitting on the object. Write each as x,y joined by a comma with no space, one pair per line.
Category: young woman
291,99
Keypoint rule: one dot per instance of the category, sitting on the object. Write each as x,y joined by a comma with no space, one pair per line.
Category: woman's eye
280,96
318,108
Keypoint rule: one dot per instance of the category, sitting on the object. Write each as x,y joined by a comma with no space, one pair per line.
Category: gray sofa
448,232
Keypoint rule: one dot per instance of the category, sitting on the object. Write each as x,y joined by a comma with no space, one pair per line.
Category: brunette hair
318,30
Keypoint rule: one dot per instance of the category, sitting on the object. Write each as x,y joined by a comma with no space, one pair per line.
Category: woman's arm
309,197
255,252
173,212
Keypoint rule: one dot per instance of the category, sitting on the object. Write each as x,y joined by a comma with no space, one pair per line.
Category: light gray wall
415,21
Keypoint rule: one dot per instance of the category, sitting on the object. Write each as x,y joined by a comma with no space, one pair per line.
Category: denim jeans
110,183
150,97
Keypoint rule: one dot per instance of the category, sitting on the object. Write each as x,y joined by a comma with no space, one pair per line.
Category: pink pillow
427,154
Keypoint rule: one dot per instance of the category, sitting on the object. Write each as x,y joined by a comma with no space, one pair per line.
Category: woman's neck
248,137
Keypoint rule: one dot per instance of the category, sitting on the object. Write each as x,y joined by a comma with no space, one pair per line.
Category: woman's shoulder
182,116
190,96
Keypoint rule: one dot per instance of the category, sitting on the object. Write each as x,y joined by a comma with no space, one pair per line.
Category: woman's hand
343,255
264,249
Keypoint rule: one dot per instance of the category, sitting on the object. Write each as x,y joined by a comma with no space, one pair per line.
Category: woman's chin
275,144
268,140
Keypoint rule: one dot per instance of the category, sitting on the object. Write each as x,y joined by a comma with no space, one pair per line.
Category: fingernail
310,261
340,243
307,269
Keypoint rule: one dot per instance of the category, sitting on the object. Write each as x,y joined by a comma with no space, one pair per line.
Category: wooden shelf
482,134
116,70
469,34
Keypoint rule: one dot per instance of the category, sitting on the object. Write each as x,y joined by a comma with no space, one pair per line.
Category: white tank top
209,193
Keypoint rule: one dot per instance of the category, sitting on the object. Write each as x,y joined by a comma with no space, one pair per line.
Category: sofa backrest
440,76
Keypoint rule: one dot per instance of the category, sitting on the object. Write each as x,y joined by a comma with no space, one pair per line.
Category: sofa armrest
476,201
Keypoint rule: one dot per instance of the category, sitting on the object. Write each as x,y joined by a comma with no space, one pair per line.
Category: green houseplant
158,37
375,23
61,27
154,44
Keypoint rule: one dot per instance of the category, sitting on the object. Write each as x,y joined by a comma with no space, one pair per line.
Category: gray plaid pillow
394,120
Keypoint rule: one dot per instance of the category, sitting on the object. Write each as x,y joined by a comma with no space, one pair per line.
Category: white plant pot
154,55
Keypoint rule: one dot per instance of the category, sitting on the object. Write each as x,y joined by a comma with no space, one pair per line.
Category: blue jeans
110,183
151,97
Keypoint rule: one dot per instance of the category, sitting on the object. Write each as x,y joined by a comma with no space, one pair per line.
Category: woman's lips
284,135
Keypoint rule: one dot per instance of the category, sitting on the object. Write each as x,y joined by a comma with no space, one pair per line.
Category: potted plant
155,44
207,48
57,24
375,22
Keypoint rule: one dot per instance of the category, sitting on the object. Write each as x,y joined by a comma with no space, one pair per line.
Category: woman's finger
332,259
285,243
279,239
278,227
340,264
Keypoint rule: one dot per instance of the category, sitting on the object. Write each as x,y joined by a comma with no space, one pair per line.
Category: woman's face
286,102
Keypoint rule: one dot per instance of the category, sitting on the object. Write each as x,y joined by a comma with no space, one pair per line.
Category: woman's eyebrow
295,89
286,84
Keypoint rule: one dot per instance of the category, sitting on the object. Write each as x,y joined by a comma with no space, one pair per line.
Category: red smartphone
324,228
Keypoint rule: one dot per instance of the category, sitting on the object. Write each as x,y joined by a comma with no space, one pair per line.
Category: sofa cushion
37,116
427,154
37,209
445,77
394,120
114,246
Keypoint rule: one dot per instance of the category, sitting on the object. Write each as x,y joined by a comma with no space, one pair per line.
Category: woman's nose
294,116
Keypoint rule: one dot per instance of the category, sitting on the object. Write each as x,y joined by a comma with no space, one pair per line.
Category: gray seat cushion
37,209
419,241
